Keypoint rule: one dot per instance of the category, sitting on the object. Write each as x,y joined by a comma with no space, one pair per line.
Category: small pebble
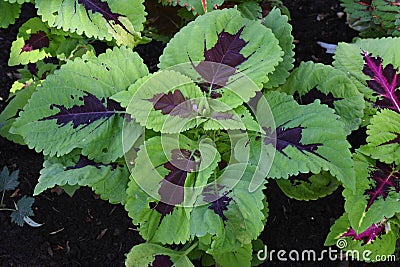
340,15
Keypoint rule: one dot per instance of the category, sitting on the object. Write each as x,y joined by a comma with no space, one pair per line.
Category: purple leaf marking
225,56
385,82
289,137
219,202
171,190
386,179
173,104
84,162
222,116
36,41
368,235
162,261
92,110
33,69
313,94
104,9
393,141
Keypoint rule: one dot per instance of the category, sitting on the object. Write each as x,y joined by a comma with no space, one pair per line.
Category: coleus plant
197,136
372,210
117,21
373,18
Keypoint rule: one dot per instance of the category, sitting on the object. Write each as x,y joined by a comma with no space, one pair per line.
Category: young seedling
23,208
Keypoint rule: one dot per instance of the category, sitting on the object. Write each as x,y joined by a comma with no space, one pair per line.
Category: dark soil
87,231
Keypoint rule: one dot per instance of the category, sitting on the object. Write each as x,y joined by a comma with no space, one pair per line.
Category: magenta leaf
162,261
93,109
289,137
226,54
368,235
173,104
386,179
36,41
171,190
313,94
385,82
98,6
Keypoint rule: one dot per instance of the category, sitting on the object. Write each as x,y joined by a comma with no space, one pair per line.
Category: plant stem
2,198
191,248
5,209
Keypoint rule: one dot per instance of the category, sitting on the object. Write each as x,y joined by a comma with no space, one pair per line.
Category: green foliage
188,149
121,21
10,11
107,180
382,245
311,188
370,222
250,9
332,153
383,133
361,213
36,41
145,254
282,30
376,18
262,49
337,90
102,77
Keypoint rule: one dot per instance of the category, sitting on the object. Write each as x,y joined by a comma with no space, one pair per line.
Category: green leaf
36,41
33,74
282,30
235,217
70,189
146,254
311,188
250,9
10,11
79,88
256,52
121,20
196,6
145,188
23,209
239,257
150,90
8,181
383,245
10,113
383,140
108,180
312,81
307,138
348,58
365,209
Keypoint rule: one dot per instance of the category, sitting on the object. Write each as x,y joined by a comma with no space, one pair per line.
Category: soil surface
87,231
